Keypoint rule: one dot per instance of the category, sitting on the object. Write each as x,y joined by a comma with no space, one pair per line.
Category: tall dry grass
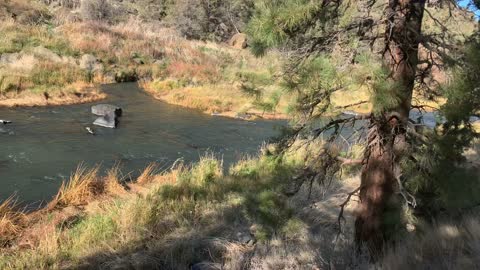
11,220
148,174
449,245
83,185
112,181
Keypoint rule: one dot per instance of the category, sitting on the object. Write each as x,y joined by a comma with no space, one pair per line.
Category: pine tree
313,31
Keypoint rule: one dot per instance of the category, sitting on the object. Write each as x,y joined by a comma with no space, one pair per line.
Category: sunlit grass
84,184
147,175
11,220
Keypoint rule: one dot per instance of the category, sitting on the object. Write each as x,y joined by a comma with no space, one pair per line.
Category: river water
44,145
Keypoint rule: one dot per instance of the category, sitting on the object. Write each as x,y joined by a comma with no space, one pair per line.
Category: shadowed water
44,145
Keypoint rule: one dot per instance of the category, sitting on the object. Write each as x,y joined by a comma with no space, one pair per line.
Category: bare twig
342,208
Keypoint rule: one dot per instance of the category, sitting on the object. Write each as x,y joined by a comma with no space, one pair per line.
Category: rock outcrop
239,41
90,63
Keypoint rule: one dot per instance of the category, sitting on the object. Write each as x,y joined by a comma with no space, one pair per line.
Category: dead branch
352,105
342,208
339,121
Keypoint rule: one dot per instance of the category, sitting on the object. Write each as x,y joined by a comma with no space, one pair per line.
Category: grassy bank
166,220
241,219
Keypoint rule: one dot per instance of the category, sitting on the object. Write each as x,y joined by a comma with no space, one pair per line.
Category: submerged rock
104,109
109,121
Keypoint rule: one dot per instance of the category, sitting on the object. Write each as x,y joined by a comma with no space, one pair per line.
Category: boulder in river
109,120
104,109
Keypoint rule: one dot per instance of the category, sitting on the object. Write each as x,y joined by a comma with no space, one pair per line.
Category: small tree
313,32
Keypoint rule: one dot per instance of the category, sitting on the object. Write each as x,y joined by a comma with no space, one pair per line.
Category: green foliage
50,74
325,59
294,228
445,181
270,104
278,23
92,231
268,208
314,81
275,21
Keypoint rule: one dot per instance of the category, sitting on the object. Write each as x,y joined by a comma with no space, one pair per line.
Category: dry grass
148,174
209,99
27,11
75,93
476,126
41,70
449,245
112,182
11,220
83,185
218,99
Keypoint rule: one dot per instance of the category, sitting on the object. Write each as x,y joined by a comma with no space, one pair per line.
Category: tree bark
386,138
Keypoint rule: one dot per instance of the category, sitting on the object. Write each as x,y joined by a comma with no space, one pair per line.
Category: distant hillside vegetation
23,11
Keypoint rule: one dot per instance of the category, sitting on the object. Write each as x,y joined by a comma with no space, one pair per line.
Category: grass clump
11,220
83,185
112,181
147,175
55,75
91,234
447,245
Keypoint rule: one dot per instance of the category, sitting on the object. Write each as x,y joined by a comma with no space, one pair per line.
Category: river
44,145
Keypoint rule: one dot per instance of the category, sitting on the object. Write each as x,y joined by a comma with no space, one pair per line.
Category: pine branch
317,132
352,105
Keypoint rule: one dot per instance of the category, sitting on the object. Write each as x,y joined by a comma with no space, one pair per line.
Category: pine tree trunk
386,138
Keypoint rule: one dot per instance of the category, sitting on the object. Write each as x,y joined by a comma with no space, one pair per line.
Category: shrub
96,10
214,20
23,11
